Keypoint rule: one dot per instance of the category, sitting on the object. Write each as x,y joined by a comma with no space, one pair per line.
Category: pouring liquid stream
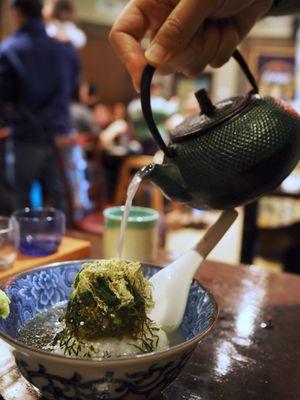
131,192
171,285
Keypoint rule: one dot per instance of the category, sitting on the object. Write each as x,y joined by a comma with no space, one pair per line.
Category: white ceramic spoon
171,285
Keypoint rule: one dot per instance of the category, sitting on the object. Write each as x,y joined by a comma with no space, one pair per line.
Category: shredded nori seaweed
110,298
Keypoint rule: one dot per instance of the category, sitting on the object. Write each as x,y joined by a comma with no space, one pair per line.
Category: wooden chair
129,167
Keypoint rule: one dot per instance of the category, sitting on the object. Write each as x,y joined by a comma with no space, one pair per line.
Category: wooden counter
252,354
70,249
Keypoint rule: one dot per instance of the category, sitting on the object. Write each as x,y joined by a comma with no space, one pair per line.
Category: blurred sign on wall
277,76
273,27
102,12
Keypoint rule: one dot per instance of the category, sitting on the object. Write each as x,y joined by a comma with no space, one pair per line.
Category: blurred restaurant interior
110,141
85,310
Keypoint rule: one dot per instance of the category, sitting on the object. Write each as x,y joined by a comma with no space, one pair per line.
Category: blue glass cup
38,232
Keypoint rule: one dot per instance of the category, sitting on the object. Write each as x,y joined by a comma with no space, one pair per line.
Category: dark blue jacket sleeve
77,71
8,90
8,80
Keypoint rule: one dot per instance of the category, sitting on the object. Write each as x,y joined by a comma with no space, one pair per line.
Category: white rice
112,347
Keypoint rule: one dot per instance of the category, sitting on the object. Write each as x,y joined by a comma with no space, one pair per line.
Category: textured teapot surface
238,160
229,154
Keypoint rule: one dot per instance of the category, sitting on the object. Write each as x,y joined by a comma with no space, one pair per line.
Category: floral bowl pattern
127,378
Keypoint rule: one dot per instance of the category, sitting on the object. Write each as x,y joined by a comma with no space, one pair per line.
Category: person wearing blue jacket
38,76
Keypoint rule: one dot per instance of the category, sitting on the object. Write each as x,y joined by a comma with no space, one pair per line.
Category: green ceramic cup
141,237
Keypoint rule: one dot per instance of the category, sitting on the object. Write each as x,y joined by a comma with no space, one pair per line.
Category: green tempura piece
4,305
109,298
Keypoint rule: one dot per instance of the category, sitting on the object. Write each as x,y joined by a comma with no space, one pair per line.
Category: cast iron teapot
229,154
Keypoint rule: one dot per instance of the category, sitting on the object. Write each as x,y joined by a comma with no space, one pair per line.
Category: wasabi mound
4,305
110,300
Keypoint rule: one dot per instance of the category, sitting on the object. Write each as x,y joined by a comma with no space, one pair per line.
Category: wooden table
252,354
69,249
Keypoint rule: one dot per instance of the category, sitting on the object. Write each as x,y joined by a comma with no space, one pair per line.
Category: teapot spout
168,179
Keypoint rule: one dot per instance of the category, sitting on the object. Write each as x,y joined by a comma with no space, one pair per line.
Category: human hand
186,35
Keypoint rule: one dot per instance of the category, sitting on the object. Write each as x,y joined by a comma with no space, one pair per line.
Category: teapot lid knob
205,103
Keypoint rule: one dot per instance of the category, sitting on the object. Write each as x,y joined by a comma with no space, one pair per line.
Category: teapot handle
146,98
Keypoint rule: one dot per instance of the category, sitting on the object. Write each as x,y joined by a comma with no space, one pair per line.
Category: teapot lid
211,115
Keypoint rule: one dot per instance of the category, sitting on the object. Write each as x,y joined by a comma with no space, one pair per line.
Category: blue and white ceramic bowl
61,378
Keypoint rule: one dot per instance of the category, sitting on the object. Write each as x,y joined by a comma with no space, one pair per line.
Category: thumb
178,30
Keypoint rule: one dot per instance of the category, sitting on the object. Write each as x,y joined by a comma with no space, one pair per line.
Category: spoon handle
215,232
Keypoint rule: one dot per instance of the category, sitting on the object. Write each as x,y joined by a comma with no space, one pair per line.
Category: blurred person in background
117,141
90,95
82,112
162,109
188,107
118,137
103,115
61,26
37,78
116,133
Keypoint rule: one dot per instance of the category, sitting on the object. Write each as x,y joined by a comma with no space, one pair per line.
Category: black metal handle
146,98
